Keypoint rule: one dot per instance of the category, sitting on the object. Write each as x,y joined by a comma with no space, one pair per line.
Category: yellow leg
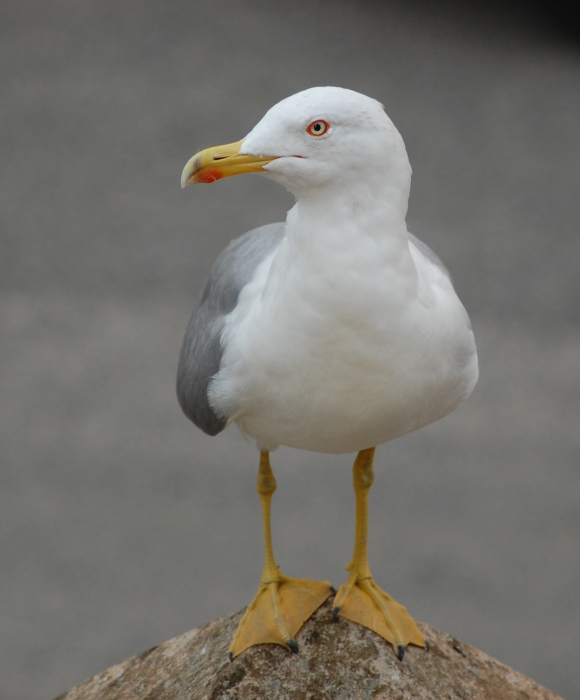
282,604
360,599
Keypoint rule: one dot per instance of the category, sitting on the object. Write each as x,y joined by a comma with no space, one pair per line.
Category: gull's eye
318,128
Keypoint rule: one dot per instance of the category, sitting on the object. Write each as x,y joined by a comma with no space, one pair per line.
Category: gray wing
424,249
202,351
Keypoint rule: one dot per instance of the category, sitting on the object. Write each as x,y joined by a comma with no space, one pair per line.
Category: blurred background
121,525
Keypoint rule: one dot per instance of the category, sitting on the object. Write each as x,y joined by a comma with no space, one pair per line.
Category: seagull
333,332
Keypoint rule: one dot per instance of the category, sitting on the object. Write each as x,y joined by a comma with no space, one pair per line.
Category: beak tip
189,178
188,172
186,177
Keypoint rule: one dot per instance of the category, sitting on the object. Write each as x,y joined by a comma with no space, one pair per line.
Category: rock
338,659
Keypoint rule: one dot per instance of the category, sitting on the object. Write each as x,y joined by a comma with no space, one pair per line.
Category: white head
328,135
324,140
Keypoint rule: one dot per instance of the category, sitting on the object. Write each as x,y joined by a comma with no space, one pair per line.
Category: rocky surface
337,659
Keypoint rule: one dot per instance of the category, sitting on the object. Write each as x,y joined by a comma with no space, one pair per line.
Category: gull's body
338,330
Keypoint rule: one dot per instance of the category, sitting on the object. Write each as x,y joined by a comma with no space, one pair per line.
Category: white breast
344,345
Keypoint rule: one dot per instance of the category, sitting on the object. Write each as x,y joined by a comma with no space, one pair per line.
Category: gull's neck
346,216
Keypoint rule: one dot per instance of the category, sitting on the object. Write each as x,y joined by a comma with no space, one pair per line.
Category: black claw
400,652
427,645
333,589
335,612
231,656
292,645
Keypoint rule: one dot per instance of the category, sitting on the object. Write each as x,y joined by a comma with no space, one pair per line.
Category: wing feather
201,351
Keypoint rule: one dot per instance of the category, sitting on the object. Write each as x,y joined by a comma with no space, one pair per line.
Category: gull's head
321,138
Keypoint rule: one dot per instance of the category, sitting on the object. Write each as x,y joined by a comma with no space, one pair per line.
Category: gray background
121,525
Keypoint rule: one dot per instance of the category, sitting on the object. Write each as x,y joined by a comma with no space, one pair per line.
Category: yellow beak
221,161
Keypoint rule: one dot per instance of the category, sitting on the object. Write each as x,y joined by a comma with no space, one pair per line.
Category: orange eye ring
319,127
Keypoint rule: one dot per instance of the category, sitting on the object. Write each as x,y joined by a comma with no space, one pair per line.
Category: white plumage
333,332
347,334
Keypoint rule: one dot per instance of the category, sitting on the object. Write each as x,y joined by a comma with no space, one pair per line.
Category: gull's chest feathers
331,298
321,343
325,307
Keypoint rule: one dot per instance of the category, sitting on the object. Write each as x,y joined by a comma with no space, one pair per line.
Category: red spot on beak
208,176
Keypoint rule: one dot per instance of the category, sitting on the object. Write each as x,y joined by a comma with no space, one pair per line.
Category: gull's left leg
360,599
282,604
